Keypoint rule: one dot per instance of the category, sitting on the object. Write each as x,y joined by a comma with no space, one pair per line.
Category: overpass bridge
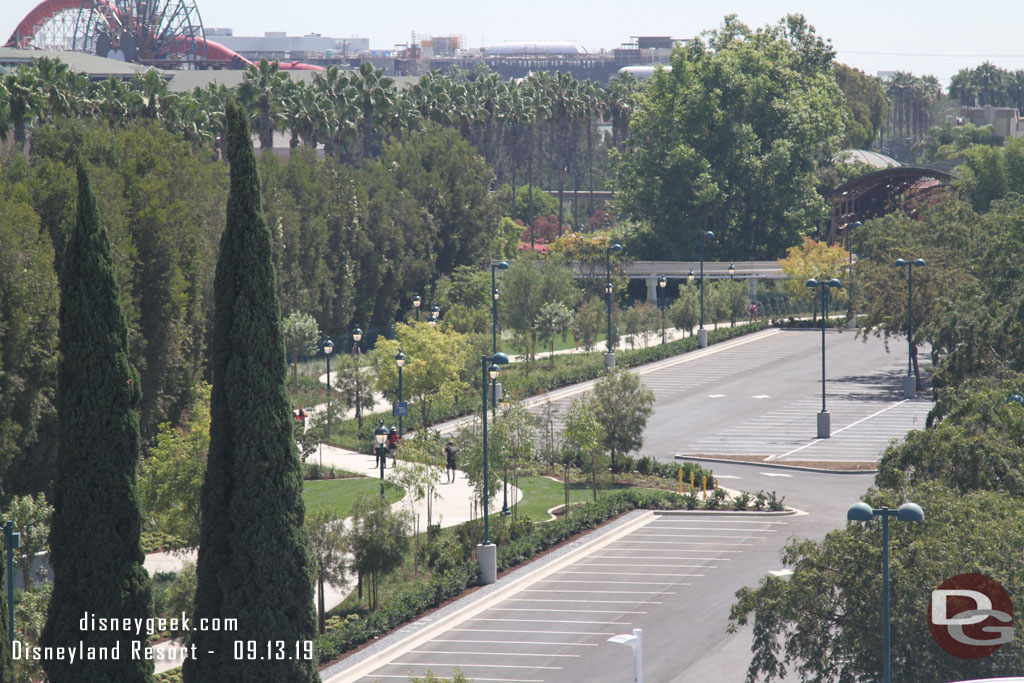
650,271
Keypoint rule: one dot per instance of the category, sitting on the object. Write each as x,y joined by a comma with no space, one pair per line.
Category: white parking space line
573,611
711,528
663,557
489,654
510,642
665,566
479,666
631,583
631,574
566,590
693,542
475,678
690,520
579,600
509,630
550,621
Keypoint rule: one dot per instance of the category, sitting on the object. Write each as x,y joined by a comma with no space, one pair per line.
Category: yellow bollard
704,485
693,487
680,480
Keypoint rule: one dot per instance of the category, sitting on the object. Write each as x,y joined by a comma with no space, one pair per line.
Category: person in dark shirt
449,457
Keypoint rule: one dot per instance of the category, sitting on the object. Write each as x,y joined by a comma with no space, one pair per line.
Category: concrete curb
728,513
365,666
798,468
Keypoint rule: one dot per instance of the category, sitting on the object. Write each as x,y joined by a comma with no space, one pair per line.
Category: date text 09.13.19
255,650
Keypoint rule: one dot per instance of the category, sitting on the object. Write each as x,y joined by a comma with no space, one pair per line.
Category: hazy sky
939,37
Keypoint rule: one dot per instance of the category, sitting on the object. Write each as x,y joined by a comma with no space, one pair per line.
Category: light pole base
487,557
702,338
609,360
910,386
824,425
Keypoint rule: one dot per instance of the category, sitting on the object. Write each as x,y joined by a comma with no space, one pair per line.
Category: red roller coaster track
26,31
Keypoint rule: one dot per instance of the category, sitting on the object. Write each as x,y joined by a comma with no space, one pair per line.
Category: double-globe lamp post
328,347
487,552
824,420
862,512
702,334
609,358
416,303
380,437
500,265
910,381
400,362
435,313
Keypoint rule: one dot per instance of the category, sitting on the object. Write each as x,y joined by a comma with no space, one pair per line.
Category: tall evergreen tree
253,561
94,536
6,665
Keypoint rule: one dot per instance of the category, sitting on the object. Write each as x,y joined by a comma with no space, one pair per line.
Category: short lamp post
662,284
609,358
487,554
380,437
910,381
500,265
636,642
416,303
328,347
824,420
862,512
400,362
702,334
12,540
1015,398
357,336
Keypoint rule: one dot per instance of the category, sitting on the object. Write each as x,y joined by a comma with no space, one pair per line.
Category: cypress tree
95,551
253,562
6,665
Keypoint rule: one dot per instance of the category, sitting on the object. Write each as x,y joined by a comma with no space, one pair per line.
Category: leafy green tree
589,321
865,106
583,441
31,517
28,338
516,431
354,384
431,372
816,260
327,546
734,298
171,477
6,663
252,492
419,470
527,286
553,320
822,621
29,621
95,550
301,334
729,141
622,404
379,539
684,313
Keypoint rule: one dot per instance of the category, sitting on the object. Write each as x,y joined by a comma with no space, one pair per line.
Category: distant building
1005,120
279,45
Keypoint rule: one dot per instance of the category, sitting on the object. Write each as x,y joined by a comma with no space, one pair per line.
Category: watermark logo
970,616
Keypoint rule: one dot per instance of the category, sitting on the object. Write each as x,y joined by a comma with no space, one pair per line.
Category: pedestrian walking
753,312
449,457
393,441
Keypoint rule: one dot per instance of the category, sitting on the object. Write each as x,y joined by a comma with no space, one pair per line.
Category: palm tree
375,97
24,97
263,92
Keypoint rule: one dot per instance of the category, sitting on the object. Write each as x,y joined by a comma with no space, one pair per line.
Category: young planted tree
327,545
354,385
622,404
301,334
684,313
95,550
378,540
554,320
253,563
31,517
582,442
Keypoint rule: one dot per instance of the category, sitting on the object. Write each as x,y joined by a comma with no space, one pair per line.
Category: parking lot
557,626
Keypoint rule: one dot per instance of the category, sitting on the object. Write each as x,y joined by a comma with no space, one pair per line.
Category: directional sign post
400,409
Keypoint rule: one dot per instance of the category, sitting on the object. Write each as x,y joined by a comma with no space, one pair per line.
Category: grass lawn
540,494
561,343
341,493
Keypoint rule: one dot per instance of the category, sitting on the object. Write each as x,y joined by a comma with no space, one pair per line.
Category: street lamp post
500,265
400,362
702,334
824,420
505,510
435,313
328,347
416,302
609,358
849,251
380,437
910,381
862,512
487,554
662,284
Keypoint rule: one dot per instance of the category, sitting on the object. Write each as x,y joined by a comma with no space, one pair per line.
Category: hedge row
421,597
